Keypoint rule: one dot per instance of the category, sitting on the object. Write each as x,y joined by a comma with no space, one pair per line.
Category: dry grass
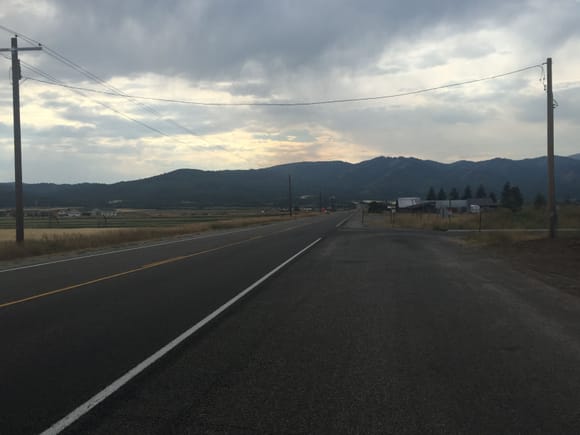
424,221
503,238
42,233
528,218
51,241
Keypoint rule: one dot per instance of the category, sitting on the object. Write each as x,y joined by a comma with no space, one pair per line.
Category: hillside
379,178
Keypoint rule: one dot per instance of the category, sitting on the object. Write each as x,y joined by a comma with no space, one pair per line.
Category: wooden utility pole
551,179
290,195
16,76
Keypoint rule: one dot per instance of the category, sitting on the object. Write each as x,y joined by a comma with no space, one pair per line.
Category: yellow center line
128,272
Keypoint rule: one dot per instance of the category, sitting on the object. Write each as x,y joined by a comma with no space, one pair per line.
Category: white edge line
342,222
120,251
62,424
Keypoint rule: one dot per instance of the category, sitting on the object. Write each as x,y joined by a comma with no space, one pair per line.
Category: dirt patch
556,262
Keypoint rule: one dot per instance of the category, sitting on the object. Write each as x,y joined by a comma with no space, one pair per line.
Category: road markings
120,251
342,222
127,272
65,422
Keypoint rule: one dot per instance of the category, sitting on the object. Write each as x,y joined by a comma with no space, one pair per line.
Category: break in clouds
284,51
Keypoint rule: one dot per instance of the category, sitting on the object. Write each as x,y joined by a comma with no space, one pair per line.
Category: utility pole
551,181
290,195
16,76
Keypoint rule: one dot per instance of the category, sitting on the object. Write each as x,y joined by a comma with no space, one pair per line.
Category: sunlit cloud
239,52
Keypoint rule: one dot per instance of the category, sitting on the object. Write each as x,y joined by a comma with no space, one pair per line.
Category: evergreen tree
441,196
431,194
517,199
540,201
505,195
511,197
492,197
454,194
467,192
480,192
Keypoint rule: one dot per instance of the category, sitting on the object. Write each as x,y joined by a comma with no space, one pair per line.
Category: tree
511,197
467,192
441,196
493,197
517,199
505,195
431,194
480,193
540,201
454,194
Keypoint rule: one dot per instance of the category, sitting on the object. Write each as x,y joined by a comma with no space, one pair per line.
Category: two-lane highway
70,328
374,331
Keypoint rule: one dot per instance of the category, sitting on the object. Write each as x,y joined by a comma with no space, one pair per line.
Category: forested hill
379,178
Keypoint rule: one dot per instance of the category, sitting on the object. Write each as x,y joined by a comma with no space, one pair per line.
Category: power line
107,106
118,93
52,80
303,103
112,90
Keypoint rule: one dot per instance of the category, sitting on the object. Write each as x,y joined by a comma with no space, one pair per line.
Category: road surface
70,328
371,331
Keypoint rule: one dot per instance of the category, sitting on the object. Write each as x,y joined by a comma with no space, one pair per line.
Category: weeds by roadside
499,219
75,241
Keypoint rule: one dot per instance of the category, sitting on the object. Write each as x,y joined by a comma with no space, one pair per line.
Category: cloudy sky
282,51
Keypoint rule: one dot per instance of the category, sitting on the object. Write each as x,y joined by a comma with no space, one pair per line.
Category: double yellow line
128,272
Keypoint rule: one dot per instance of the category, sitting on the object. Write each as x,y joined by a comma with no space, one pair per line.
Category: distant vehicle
475,209
408,202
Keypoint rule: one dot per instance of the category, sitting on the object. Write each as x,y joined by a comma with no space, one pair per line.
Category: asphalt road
70,327
372,332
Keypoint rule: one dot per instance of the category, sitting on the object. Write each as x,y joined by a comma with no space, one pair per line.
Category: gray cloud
290,50
217,39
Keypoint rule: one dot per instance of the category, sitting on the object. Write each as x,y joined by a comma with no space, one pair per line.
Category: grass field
136,219
41,233
527,218
130,227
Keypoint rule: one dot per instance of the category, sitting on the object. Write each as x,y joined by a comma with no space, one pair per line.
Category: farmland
49,234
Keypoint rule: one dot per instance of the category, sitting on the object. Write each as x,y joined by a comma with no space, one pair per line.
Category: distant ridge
378,178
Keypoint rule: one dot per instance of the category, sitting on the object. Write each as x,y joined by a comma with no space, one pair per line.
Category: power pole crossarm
16,76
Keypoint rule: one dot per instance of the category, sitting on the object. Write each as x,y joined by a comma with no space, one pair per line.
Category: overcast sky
250,51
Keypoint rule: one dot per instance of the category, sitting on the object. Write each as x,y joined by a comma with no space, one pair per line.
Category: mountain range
379,178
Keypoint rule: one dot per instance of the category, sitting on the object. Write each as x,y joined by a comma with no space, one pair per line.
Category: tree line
454,194
511,196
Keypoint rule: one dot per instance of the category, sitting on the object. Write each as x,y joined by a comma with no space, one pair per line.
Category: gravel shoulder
556,262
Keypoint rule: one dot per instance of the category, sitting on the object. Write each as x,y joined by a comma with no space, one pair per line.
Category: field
46,235
500,219
135,219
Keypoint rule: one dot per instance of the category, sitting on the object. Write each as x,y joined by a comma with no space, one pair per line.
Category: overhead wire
107,106
301,103
79,92
113,91
116,92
